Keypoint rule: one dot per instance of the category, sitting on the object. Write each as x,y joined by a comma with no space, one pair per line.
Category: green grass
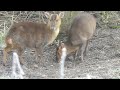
114,27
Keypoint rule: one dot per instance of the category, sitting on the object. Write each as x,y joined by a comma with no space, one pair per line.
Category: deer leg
39,53
77,52
36,54
83,49
86,48
5,54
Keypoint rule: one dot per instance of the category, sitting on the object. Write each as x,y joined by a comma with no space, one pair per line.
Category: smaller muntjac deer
81,31
32,35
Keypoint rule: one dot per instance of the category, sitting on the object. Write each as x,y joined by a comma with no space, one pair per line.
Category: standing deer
81,31
32,35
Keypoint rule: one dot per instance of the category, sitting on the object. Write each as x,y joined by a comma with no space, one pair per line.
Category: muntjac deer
81,31
32,35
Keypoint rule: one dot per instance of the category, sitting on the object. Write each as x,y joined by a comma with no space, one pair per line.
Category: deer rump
29,34
82,29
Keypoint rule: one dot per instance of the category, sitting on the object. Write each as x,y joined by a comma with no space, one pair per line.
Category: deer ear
61,15
48,15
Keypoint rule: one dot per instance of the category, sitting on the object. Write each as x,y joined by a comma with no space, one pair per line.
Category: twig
28,16
4,28
43,18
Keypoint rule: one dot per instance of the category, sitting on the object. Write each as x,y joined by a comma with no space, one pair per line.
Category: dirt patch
102,60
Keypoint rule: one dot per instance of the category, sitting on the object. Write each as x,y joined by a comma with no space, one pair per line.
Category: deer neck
54,34
70,48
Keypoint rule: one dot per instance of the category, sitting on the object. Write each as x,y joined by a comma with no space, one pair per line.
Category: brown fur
81,31
32,35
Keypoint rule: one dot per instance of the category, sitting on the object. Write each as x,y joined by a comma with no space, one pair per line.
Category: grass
2,36
114,27
5,77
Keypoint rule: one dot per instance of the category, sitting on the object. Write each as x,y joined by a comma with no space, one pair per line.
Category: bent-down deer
81,31
33,35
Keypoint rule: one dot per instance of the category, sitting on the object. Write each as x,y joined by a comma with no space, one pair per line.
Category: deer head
54,20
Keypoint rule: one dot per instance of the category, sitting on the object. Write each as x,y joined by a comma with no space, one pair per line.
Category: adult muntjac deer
32,35
81,31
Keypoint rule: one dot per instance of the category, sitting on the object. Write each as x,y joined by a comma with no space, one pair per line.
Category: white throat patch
57,31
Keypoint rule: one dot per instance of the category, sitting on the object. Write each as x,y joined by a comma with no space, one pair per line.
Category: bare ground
102,60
